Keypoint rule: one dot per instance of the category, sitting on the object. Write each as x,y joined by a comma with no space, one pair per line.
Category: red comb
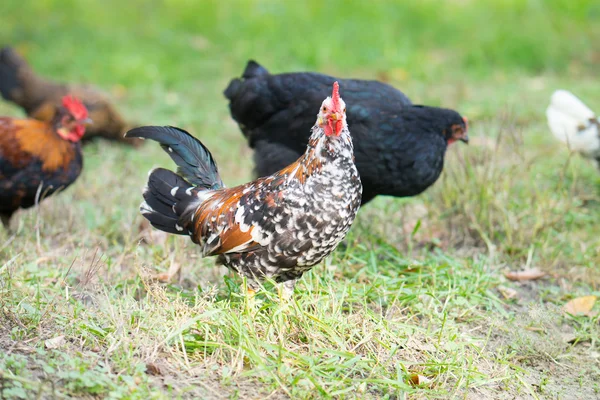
75,107
335,96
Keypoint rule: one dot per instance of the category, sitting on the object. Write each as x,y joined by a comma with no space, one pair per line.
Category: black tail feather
194,161
167,197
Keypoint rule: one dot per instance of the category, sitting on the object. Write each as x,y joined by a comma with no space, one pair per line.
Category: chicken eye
324,109
344,110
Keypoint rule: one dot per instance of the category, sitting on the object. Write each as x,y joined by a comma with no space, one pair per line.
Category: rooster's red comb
75,107
335,96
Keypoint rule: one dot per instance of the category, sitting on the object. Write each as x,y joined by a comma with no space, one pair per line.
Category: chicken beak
335,116
464,139
87,121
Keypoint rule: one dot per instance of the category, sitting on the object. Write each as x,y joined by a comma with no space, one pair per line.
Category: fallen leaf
525,275
508,293
580,305
55,342
419,380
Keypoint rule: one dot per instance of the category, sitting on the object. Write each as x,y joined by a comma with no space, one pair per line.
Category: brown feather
209,218
33,157
22,139
234,237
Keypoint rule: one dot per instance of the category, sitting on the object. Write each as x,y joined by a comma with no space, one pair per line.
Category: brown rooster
275,227
38,158
39,98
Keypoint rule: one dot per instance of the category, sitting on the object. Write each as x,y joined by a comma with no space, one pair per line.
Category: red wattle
329,128
338,127
76,134
80,131
333,127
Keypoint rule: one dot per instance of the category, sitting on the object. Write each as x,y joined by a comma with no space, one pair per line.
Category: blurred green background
176,42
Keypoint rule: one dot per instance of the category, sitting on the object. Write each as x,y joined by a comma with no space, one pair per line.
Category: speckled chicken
39,97
39,158
275,227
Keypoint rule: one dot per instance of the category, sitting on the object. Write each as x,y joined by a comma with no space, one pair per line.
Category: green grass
417,288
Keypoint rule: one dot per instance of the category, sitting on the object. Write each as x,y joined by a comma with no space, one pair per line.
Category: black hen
399,147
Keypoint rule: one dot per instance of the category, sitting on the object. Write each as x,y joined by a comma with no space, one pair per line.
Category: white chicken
573,123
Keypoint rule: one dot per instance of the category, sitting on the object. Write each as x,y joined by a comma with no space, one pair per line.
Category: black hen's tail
253,70
10,76
170,200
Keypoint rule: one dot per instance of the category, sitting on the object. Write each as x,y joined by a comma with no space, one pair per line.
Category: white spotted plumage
279,226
